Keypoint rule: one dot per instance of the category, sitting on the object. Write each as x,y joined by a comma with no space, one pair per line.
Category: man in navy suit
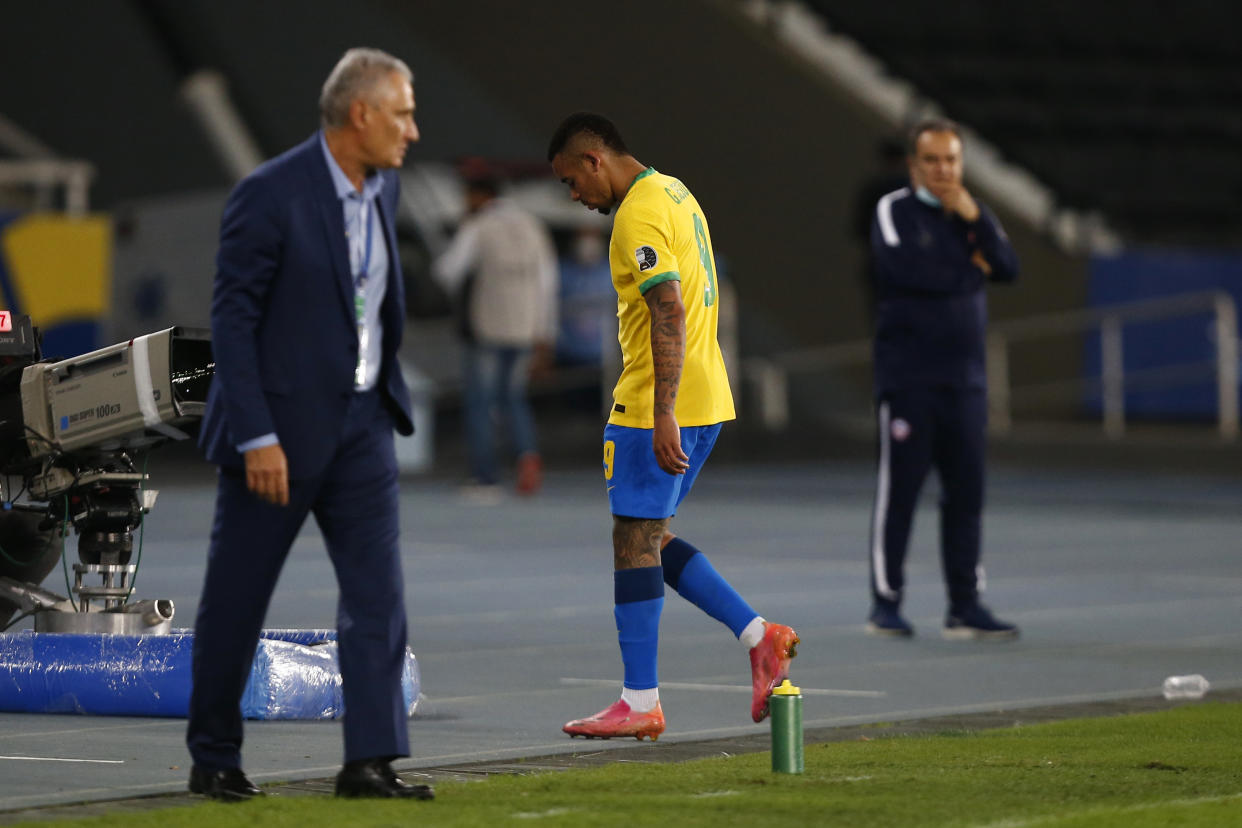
306,319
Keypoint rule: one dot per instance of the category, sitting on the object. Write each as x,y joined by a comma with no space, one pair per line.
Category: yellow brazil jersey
659,235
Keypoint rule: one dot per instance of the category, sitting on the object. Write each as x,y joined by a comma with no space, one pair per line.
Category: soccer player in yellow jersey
667,411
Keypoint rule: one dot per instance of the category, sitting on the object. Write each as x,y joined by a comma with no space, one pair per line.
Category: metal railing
768,377
46,176
1111,321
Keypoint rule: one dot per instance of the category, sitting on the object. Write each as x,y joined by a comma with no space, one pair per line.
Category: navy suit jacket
283,331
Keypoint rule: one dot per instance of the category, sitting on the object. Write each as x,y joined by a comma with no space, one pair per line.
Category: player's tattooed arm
668,355
668,342
636,542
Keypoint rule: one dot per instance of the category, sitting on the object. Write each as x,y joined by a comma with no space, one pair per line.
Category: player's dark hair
929,125
587,123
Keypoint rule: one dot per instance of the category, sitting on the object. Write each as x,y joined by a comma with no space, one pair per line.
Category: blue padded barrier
295,675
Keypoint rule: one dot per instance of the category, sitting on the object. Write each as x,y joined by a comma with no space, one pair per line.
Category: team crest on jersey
900,430
646,257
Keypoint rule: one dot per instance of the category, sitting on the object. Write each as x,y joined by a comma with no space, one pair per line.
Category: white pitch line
55,759
727,688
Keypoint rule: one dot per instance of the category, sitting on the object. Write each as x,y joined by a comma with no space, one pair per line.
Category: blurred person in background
501,268
588,314
669,405
307,315
933,247
587,298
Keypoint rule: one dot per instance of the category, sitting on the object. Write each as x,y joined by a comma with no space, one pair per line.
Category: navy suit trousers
919,428
354,502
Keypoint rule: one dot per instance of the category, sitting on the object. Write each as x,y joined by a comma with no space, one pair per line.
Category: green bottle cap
786,689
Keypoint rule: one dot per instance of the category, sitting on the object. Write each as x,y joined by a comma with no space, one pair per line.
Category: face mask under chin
925,195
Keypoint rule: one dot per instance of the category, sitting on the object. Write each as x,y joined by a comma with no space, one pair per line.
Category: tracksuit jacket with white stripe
931,310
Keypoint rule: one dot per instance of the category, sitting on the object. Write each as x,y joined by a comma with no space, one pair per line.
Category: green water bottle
785,706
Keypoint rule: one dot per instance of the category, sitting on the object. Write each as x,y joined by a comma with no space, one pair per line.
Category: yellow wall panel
61,268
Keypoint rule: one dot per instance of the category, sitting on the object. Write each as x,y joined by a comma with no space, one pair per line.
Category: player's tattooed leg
636,542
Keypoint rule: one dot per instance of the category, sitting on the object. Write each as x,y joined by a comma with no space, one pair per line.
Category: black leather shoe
229,785
375,778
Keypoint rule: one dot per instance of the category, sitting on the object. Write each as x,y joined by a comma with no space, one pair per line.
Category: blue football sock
639,595
688,571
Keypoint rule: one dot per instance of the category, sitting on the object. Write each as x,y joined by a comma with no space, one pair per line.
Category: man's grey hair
355,76
930,125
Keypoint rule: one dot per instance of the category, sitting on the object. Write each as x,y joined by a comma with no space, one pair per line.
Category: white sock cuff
640,701
752,633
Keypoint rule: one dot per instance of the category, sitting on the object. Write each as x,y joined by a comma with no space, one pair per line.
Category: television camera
69,430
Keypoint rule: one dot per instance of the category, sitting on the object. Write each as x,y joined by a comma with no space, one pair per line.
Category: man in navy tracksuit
933,248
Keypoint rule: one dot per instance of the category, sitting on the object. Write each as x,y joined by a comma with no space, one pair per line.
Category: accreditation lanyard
360,297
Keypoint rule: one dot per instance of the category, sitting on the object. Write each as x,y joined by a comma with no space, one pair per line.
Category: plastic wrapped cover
118,675
307,637
295,681
149,675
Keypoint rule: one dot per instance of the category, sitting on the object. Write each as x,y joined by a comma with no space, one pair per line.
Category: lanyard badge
360,302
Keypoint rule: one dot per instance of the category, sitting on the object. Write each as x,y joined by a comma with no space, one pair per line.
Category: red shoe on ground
529,473
619,720
769,665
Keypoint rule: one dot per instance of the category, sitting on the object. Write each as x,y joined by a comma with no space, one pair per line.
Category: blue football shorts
637,486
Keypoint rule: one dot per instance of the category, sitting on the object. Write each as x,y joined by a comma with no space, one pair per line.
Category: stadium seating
1135,110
